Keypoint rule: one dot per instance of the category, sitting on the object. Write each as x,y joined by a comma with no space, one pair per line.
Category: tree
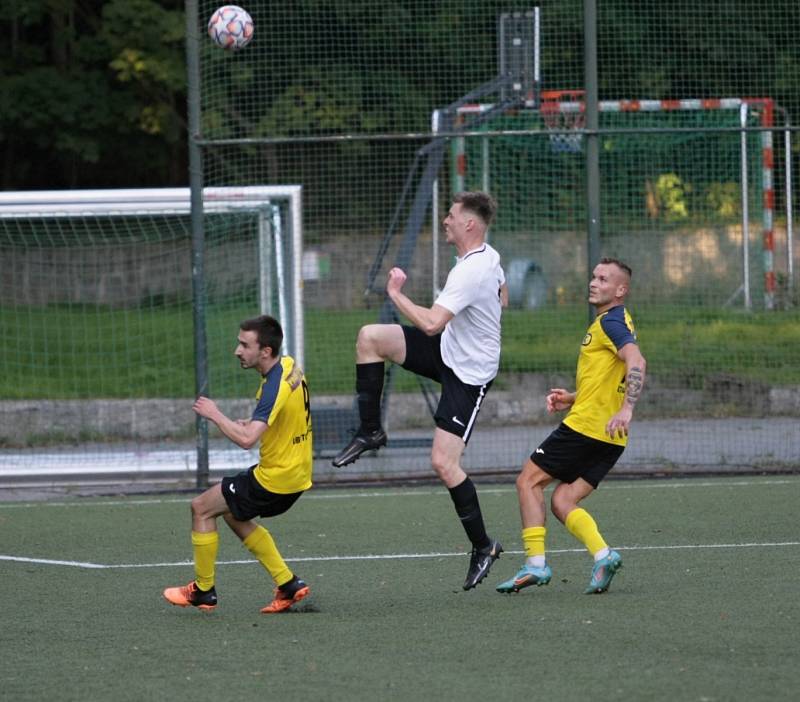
91,94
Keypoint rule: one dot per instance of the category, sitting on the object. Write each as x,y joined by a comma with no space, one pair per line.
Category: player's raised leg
376,343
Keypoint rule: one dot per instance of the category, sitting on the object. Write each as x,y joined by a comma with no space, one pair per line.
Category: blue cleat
603,573
527,576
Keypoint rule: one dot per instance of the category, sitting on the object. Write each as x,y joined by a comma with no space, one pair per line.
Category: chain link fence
380,111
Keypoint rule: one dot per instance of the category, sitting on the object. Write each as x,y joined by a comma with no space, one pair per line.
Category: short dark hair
619,264
268,331
482,204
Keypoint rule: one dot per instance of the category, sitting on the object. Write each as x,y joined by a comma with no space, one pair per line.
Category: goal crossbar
764,107
259,199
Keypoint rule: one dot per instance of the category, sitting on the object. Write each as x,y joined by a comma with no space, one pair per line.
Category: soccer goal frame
276,214
565,104
260,200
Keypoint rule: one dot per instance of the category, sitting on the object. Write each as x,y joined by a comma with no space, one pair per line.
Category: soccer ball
230,27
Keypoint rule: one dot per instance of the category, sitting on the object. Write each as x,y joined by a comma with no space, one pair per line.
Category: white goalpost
562,115
96,257
261,200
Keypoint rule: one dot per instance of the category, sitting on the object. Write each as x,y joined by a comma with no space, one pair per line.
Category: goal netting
97,324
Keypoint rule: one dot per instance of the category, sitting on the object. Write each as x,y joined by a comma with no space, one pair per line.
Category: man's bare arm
635,367
430,320
242,433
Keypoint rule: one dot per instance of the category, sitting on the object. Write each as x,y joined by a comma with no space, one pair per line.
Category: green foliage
725,199
671,192
93,95
325,102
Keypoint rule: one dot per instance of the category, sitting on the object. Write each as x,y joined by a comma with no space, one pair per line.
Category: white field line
376,557
390,492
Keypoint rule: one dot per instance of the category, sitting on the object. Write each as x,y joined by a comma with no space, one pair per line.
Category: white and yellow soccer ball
230,27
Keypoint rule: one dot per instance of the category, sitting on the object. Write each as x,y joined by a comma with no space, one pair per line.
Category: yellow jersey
285,462
600,382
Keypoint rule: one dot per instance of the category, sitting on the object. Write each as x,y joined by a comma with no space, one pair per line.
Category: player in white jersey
455,342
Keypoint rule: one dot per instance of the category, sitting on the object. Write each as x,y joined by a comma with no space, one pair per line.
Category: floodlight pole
592,138
198,235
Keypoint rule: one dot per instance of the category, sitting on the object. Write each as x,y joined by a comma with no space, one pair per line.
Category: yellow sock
580,524
261,544
205,546
533,539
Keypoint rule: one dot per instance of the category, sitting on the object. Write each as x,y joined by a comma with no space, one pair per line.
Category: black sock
289,587
369,386
468,509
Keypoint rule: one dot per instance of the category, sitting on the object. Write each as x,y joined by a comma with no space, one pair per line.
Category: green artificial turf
705,607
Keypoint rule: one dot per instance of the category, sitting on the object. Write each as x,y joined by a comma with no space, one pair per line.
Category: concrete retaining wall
30,422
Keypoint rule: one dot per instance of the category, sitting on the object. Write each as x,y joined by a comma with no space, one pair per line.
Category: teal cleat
527,576
603,573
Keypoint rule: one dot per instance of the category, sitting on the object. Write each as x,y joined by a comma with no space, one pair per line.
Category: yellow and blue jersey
600,383
285,462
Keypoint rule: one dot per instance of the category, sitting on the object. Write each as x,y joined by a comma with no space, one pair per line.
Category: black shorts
248,499
568,455
459,403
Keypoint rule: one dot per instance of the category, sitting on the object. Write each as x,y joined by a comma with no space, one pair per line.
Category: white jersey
471,340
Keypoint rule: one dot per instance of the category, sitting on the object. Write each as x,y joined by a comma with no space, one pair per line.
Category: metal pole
485,164
264,263
198,235
459,170
745,209
592,139
296,232
537,80
280,263
789,215
435,219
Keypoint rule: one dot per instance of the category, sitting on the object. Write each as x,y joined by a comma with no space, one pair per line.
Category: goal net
97,330
669,169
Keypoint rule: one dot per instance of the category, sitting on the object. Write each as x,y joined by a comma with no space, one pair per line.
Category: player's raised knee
380,342
368,339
